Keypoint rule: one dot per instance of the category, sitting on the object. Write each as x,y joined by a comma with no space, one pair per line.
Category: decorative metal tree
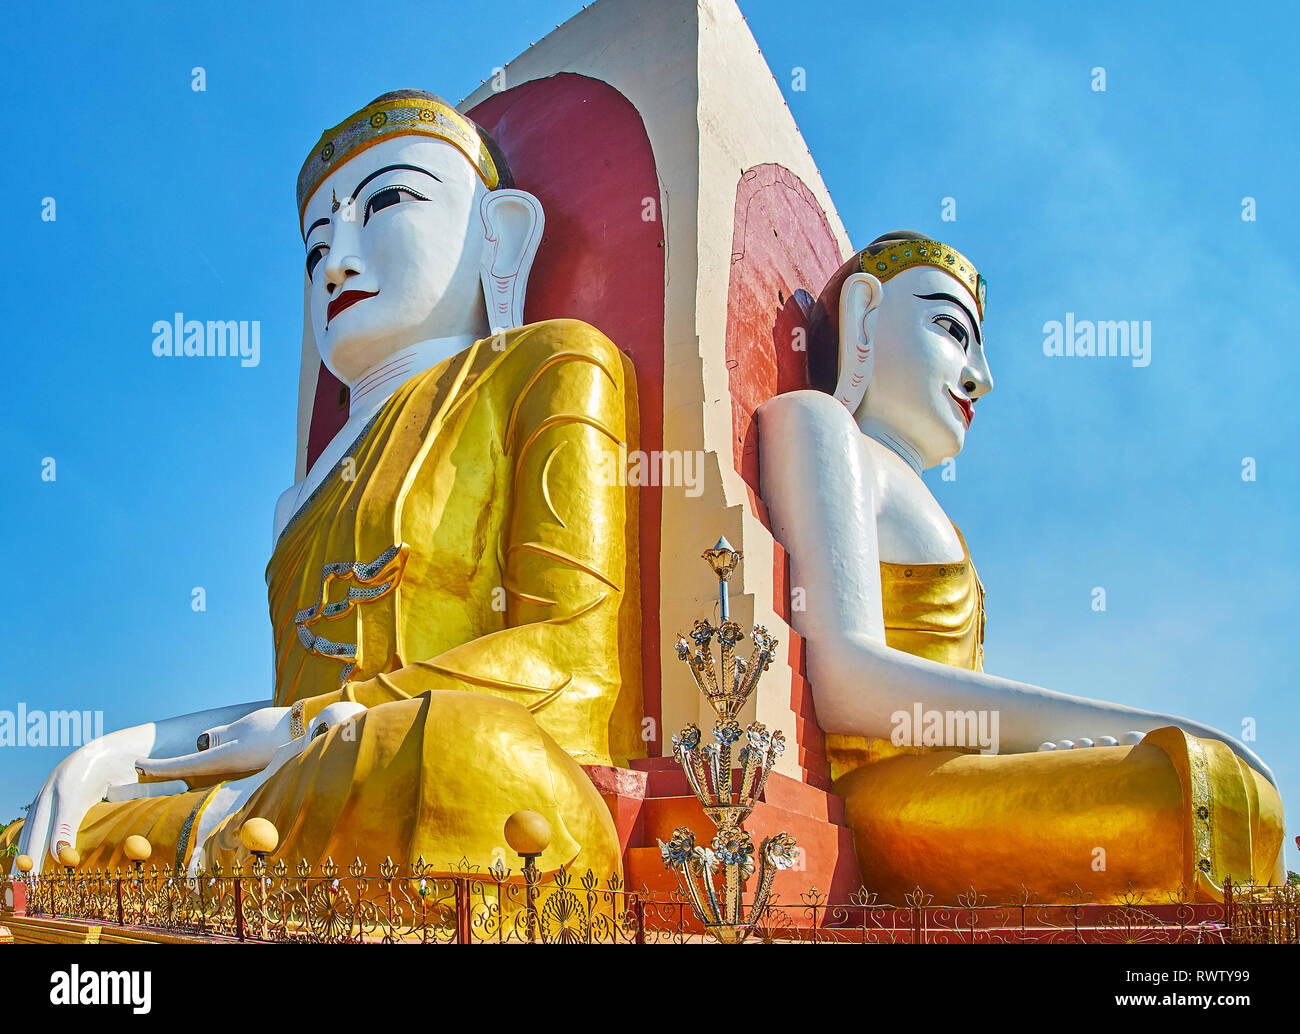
713,877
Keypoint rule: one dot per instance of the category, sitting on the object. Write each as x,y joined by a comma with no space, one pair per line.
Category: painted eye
386,198
314,256
954,328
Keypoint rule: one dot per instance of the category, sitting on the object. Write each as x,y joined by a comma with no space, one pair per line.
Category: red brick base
652,798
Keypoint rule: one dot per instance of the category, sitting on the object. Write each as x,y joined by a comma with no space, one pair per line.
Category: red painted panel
329,412
580,147
782,254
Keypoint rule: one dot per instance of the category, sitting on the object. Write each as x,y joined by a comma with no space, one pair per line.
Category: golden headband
897,256
394,116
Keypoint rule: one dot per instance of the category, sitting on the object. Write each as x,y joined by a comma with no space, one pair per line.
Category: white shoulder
817,482
804,407
284,509
806,434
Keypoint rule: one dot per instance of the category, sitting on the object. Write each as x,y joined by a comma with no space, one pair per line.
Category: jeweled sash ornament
713,877
372,581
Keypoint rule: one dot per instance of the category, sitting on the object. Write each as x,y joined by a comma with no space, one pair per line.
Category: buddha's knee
1101,819
433,777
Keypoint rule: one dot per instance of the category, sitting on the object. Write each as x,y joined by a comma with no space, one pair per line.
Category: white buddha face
929,366
394,242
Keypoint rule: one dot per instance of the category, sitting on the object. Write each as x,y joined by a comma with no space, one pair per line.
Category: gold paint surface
433,777
935,611
1173,811
506,649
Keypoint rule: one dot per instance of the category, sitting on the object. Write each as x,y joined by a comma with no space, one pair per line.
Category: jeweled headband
896,256
394,115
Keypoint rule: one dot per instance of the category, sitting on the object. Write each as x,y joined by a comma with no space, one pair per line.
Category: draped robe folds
468,573
1172,813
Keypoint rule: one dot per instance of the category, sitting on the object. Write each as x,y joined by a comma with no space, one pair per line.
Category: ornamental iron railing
326,904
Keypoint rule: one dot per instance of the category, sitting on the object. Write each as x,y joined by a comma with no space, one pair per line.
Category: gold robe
1172,811
468,573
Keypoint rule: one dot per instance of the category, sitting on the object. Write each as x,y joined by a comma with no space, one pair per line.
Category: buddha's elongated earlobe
859,298
512,230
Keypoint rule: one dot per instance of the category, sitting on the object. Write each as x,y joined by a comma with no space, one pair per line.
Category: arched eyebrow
318,222
357,189
389,168
941,297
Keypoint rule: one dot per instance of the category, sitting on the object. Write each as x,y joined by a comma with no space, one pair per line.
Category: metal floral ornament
708,768
713,877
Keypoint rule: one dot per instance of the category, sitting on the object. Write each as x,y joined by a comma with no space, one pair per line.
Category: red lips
966,406
346,300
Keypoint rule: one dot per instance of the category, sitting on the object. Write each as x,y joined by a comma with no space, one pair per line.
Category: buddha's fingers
1083,742
222,760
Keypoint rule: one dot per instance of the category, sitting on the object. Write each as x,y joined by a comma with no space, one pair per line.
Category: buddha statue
453,590
1067,791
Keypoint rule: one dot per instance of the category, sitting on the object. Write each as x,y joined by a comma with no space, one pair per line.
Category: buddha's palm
245,745
248,732
232,796
1153,720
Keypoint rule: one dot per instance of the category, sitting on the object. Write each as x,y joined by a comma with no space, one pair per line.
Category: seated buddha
453,591
1075,792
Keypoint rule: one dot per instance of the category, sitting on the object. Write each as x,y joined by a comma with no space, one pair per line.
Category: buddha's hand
232,797
1128,739
1196,729
243,746
89,775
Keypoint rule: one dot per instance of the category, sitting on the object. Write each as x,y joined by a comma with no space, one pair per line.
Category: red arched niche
782,254
580,147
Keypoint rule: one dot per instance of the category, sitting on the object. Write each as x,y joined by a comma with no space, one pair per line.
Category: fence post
121,920
1228,910
462,910
239,907
638,908
530,895
261,897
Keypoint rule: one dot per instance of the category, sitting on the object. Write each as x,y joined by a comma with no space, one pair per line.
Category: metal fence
273,903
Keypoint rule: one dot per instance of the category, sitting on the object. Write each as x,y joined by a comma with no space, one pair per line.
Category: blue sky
1116,205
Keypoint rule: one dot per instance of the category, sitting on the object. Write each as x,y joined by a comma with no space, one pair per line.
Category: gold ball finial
528,833
137,849
259,835
24,863
70,857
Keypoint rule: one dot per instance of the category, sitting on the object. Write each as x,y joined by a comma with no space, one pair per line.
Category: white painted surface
842,501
